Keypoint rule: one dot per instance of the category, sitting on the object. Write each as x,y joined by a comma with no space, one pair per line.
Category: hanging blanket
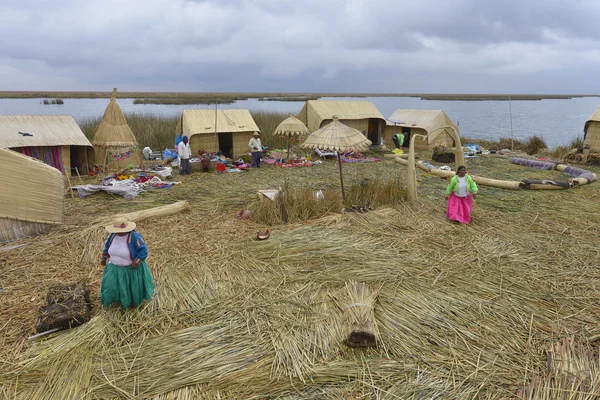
48,154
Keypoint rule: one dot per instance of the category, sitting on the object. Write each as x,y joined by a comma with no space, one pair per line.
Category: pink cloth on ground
459,208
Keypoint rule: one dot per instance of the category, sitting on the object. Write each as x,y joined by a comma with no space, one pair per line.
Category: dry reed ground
463,311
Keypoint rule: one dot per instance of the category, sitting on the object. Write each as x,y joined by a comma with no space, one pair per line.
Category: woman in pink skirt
460,194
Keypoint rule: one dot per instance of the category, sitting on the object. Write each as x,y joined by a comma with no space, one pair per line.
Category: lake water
557,121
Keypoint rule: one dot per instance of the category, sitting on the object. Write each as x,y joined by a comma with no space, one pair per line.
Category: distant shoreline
228,97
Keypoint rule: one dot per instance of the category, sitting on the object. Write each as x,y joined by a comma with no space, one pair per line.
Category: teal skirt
126,286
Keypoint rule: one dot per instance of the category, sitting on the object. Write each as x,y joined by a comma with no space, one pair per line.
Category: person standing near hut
127,280
256,149
460,194
184,153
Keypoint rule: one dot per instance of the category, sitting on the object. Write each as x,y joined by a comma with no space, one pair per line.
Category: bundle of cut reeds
359,325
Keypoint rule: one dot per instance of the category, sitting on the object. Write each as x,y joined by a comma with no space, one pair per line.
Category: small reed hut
32,199
56,140
436,125
360,115
114,143
224,131
591,132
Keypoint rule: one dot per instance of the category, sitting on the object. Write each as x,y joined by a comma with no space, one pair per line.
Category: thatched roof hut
31,208
591,132
436,125
114,143
56,140
225,131
360,115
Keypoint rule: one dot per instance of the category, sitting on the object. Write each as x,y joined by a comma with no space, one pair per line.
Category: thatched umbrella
339,138
113,135
291,126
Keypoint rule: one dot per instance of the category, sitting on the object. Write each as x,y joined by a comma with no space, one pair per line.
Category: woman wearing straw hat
127,280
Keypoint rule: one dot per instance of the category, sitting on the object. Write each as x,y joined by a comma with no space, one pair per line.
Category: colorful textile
459,208
126,286
49,154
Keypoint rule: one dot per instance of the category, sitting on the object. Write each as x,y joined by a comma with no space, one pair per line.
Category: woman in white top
127,280
460,194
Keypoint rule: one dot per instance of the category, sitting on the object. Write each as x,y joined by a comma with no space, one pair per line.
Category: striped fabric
48,154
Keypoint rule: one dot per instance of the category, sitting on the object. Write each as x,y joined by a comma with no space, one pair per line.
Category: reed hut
33,196
591,132
436,125
224,131
360,115
115,145
56,140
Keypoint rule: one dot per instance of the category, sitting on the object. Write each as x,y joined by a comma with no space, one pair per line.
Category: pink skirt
459,208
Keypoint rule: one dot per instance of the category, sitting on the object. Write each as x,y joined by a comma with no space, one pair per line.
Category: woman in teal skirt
127,280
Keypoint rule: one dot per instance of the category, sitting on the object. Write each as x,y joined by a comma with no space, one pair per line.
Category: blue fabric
178,140
255,159
137,246
474,147
169,153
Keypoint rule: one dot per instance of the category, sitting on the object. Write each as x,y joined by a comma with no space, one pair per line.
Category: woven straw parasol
291,126
339,138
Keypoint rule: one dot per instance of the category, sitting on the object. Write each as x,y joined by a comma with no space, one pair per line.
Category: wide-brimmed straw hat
121,225
256,134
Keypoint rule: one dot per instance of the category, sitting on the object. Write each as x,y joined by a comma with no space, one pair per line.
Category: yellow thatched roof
432,121
291,126
337,137
594,118
198,122
113,129
59,130
33,191
315,112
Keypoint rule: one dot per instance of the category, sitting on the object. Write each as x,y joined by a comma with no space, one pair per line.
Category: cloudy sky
425,46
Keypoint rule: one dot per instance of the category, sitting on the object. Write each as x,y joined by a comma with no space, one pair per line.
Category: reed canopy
291,126
33,196
115,145
339,138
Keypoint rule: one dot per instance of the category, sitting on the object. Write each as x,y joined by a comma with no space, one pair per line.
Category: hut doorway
406,133
373,132
226,144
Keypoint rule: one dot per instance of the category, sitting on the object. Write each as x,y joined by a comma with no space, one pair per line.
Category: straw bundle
359,326
114,136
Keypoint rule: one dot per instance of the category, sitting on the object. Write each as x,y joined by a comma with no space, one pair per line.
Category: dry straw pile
459,312
456,312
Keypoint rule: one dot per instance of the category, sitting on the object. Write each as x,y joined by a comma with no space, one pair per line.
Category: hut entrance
373,132
406,133
226,144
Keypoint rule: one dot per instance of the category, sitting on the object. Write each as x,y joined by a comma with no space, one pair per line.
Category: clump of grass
53,101
576,143
267,122
534,145
302,204
156,131
376,193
